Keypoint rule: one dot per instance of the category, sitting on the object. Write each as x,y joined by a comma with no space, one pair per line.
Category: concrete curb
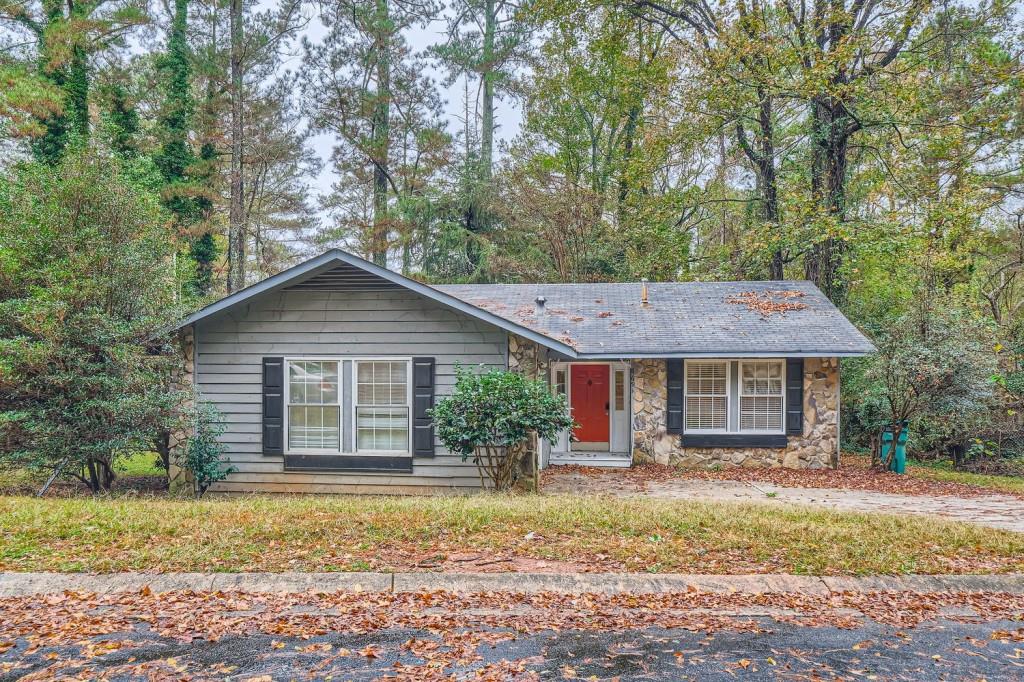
25,584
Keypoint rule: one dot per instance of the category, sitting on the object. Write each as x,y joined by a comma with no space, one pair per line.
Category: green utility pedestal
899,462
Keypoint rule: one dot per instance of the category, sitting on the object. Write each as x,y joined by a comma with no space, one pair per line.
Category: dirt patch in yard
854,474
123,486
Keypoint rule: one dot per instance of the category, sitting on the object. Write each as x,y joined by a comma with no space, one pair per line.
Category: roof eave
725,355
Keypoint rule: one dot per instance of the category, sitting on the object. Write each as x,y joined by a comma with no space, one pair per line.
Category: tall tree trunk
629,135
769,181
78,93
204,249
487,122
381,137
762,155
71,78
831,130
630,132
236,212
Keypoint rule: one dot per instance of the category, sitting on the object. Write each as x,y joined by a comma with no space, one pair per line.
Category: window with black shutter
422,402
273,406
795,396
674,418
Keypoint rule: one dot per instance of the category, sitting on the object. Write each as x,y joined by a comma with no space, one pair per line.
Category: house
325,373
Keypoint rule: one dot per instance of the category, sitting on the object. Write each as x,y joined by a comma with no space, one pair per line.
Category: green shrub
491,415
87,293
933,369
203,454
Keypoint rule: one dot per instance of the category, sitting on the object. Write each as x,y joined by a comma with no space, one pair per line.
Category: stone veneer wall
528,358
816,448
179,480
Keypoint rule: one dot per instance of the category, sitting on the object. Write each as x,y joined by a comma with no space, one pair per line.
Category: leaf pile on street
82,636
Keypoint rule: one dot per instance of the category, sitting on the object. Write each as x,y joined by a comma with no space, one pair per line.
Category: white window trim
355,406
347,421
733,398
728,397
288,404
740,394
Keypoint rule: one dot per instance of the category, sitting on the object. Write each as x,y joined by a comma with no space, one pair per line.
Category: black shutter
674,417
422,401
795,396
273,406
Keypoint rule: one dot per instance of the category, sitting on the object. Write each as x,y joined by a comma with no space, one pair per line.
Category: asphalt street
935,650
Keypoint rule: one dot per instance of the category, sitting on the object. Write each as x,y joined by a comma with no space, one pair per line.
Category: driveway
995,511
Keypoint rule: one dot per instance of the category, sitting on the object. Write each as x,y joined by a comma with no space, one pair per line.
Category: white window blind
314,411
707,397
761,396
382,406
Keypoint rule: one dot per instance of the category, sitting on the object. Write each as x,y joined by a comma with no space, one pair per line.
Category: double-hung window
735,396
707,396
382,406
314,410
359,406
762,389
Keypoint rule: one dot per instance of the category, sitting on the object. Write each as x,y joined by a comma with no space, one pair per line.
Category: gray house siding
230,347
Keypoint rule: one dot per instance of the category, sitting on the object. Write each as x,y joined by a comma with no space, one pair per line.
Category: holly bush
491,415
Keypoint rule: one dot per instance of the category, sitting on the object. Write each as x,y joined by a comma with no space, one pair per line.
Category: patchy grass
944,471
139,464
483,533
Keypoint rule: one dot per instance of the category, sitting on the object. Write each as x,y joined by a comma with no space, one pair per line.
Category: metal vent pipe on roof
540,301
643,292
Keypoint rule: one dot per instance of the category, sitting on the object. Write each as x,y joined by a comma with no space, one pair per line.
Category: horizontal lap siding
230,349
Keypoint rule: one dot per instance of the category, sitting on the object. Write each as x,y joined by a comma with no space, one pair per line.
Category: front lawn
483,533
944,471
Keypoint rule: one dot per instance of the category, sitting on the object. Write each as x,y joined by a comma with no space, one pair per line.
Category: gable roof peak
332,257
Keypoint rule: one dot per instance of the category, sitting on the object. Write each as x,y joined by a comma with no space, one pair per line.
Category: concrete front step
611,460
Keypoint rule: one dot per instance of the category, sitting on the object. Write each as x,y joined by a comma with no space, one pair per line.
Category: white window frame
347,421
355,406
740,395
288,403
728,396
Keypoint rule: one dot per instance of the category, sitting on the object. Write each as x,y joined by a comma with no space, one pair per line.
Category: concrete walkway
994,511
25,584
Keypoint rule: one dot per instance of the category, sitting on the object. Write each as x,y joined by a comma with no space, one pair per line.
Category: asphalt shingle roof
681,318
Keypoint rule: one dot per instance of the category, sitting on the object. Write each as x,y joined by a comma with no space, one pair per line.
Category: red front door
589,392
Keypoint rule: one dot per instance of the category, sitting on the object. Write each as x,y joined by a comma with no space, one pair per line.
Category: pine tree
487,41
65,36
363,84
176,157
